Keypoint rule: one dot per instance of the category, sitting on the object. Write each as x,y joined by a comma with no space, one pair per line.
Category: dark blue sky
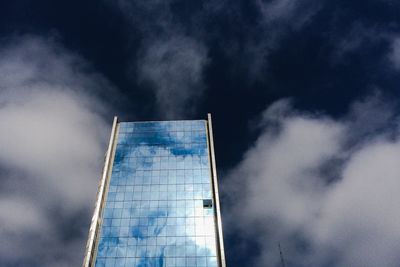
326,60
338,55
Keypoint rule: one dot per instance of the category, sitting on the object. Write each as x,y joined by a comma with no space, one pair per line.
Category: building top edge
159,121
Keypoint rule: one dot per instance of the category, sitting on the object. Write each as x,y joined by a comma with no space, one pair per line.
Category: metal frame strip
216,192
90,246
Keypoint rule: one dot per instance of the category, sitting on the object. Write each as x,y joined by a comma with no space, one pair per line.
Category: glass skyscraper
157,202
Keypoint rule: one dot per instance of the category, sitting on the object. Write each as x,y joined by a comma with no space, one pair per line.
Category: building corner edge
90,245
216,193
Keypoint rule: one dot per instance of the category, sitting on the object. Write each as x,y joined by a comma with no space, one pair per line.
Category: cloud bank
51,147
326,189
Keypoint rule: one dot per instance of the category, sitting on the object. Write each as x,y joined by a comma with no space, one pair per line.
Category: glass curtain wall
159,207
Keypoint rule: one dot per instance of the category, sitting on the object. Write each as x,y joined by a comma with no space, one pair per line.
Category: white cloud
22,215
325,189
170,61
174,68
361,213
278,9
51,147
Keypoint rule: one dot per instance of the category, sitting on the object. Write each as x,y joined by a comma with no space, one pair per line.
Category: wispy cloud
176,39
51,147
287,11
322,187
394,54
170,61
174,67
275,21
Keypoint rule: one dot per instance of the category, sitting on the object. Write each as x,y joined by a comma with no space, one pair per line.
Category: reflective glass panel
158,210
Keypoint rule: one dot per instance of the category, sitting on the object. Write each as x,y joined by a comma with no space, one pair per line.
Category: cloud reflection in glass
154,214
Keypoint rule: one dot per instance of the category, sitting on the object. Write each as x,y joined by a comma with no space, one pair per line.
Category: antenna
281,254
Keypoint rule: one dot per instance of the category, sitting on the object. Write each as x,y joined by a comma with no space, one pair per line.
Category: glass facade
158,207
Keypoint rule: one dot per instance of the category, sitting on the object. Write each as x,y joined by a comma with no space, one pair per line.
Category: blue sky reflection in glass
154,213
